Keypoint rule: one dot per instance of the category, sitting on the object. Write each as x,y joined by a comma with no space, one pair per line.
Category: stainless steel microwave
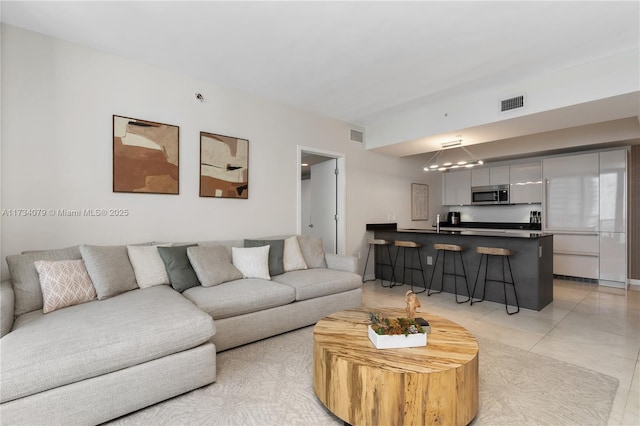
486,195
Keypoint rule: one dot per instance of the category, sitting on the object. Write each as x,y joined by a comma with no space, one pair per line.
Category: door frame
341,198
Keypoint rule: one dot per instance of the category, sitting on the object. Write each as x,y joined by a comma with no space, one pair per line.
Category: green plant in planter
394,326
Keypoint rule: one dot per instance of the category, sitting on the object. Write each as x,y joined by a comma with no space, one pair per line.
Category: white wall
57,105
608,77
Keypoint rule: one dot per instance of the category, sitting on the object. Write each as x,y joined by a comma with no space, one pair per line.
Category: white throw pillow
253,262
64,283
293,259
148,265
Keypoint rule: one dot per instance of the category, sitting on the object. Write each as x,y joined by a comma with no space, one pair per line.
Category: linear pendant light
457,157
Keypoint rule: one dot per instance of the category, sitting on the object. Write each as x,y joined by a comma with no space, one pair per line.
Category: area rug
270,383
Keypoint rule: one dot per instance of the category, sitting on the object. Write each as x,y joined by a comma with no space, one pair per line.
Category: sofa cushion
148,265
276,253
292,257
26,281
212,265
311,283
313,251
253,262
88,340
181,273
110,269
64,283
240,297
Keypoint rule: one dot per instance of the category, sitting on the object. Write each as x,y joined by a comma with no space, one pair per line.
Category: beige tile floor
587,325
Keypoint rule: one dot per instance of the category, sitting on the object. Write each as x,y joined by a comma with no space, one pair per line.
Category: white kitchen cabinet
456,188
613,190
613,259
576,255
526,183
498,175
613,218
480,177
571,193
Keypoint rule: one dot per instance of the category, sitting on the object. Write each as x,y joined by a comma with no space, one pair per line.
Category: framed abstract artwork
145,156
224,166
419,201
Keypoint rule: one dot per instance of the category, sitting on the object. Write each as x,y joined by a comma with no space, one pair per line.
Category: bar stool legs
404,245
485,252
378,265
444,248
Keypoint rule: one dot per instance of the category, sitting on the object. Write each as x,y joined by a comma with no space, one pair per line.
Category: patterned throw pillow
64,283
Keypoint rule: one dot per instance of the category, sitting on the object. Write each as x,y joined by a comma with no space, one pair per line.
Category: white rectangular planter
397,341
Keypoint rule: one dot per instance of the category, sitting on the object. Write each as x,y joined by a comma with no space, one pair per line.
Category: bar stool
378,266
485,252
404,245
444,248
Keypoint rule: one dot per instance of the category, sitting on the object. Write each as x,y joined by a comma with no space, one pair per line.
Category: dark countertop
488,233
495,225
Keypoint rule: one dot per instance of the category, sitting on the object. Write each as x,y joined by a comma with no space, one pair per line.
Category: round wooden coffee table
435,384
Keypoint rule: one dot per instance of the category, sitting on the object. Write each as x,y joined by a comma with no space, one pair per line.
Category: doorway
321,197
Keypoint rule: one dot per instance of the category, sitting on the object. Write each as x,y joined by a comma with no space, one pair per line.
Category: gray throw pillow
181,274
110,269
276,254
313,251
25,278
212,265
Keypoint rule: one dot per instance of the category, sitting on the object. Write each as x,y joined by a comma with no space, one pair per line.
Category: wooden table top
435,384
449,345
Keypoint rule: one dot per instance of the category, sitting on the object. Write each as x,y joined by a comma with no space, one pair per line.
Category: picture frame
145,156
419,201
224,166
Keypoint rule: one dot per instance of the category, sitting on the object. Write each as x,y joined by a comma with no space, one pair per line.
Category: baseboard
369,277
634,285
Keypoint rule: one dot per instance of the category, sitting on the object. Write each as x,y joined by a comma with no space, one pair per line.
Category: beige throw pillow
313,251
148,265
292,258
64,283
212,265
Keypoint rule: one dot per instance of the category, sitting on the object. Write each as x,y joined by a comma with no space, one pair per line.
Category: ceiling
347,60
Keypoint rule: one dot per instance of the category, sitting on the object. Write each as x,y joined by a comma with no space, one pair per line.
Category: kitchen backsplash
515,213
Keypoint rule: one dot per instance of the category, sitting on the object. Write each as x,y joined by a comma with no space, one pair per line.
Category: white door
324,204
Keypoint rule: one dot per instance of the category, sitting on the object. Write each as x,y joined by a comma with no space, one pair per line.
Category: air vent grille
512,103
356,136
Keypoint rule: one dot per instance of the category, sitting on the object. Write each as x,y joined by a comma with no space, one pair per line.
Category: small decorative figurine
412,304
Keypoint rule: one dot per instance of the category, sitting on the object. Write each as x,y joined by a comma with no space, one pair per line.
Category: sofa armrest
6,307
341,263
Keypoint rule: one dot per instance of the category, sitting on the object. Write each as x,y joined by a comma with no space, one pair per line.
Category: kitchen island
531,262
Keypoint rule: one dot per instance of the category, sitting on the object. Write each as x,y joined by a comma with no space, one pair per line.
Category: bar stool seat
485,252
373,242
404,245
454,248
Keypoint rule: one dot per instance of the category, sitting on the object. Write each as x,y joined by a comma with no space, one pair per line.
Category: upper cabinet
526,183
490,176
499,175
456,188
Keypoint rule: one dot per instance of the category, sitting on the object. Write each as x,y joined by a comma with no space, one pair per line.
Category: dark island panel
531,263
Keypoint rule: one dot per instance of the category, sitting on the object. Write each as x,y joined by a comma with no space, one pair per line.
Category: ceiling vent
356,136
512,103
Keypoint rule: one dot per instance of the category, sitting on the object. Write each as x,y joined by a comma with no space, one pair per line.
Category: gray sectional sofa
132,344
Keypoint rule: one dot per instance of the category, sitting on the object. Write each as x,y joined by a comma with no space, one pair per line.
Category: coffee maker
453,218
